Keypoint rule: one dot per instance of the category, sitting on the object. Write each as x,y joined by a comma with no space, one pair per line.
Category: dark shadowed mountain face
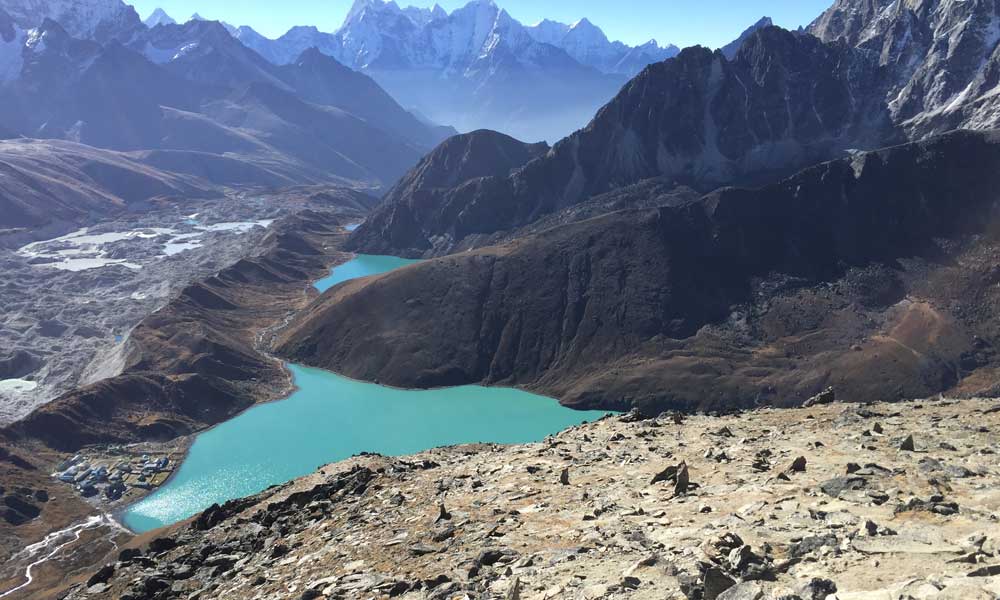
784,102
873,273
411,209
732,48
198,94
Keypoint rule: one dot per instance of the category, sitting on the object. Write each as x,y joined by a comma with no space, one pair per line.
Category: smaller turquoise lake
363,265
331,418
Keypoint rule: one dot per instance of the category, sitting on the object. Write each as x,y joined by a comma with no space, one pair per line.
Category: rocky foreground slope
846,502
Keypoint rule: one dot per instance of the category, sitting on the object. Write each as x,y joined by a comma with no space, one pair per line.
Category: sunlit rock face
942,55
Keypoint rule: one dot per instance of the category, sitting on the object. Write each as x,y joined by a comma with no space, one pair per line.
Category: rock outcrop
504,522
872,274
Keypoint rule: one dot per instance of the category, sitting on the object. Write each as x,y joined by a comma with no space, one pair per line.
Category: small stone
668,474
990,571
817,589
631,583
443,514
798,465
102,576
514,590
908,445
163,544
716,582
827,396
743,591
564,476
834,487
683,482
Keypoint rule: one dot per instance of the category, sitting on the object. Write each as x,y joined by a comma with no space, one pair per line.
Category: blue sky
683,22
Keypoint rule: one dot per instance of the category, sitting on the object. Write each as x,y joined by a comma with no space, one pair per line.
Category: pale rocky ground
577,516
60,329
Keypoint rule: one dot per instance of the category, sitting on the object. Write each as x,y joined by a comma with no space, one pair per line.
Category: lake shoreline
369,266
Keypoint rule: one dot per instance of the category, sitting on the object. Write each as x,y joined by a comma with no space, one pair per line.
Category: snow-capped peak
380,35
159,17
196,17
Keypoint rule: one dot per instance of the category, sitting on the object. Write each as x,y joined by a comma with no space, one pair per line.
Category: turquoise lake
362,266
331,418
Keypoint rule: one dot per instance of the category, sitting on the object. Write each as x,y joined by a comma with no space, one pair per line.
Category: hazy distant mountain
97,19
201,102
12,38
159,17
588,45
289,46
730,49
476,67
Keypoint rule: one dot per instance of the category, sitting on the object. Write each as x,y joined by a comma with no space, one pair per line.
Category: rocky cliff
942,55
873,274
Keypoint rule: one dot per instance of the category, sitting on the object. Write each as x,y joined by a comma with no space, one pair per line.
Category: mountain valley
773,267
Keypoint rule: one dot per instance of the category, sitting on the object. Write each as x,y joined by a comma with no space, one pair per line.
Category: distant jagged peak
159,17
585,24
360,7
730,49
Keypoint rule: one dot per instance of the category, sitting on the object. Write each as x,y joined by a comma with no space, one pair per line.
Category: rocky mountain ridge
785,101
875,74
